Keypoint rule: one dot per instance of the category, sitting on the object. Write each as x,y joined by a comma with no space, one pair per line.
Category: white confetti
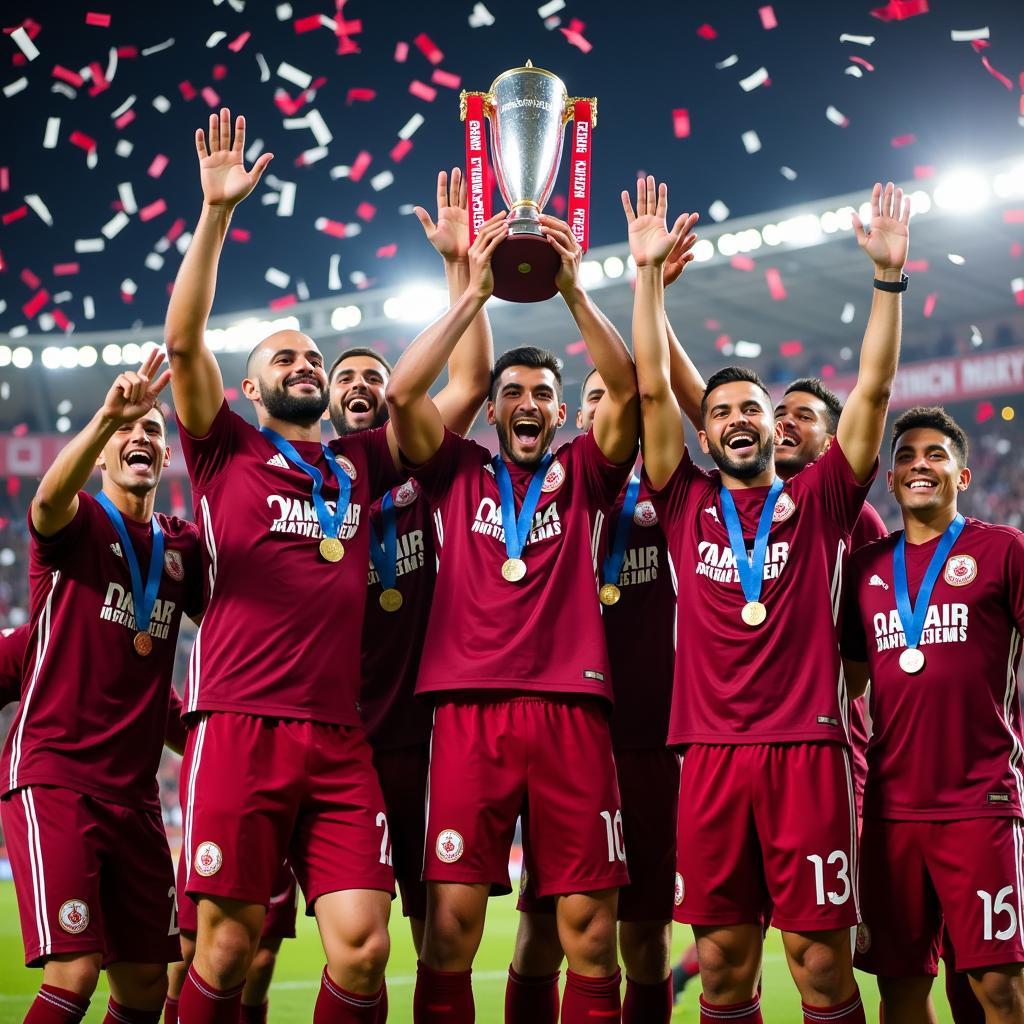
847,314
124,147
411,126
46,321
41,209
278,278
286,207
836,116
957,261
115,225
283,12
966,35
788,173
751,142
552,7
64,90
238,6
759,77
254,150
111,65
333,276
728,62
162,104
264,67
154,261
88,307
302,291
340,171
328,22
183,241
162,244
358,278
480,17
292,74
86,73
25,44
311,156
718,210
150,50
552,23
381,181
406,208
215,38
1017,284
859,40
52,133
294,123
13,88
128,286
126,106
351,230
84,245
976,338
270,199
854,71
318,126
61,297
126,194
91,159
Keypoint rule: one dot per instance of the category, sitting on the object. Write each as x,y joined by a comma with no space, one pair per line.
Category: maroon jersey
543,633
93,713
281,632
946,742
780,682
12,660
393,641
869,527
640,632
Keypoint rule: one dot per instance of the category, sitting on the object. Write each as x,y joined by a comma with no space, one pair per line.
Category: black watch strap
893,286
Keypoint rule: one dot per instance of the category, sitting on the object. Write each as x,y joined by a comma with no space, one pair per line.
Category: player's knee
910,994
645,948
364,956
820,969
78,974
1003,991
261,970
224,954
587,929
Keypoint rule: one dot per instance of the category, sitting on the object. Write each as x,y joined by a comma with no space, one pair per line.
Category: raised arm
687,383
650,243
414,418
132,395
197,385
862,422
617,420
469,366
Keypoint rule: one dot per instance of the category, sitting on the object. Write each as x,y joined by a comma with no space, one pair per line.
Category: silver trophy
528,109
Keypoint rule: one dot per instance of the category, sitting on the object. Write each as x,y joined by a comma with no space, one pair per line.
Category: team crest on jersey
74,916
208,859
680,890
960,570
347,467
116,548
785,506
174,566
555,477
406,494
863,938
644,514
449,846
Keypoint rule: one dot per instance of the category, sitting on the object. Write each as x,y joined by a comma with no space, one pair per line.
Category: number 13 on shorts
837,866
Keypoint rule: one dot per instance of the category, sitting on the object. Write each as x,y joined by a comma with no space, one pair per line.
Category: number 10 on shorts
616,843
840,859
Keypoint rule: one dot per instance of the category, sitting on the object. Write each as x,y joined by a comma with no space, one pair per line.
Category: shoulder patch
785,506
555,477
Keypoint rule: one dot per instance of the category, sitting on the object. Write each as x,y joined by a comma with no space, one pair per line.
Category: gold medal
513,569
609,594
390,599
143,644
331,549
912,660
754,613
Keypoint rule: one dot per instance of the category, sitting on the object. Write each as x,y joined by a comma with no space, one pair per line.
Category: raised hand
481,275
888,237
650,240
681,253
560,235
450,234
222,171
135,392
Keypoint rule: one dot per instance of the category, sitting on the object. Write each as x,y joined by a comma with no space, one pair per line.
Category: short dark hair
527,355
730,375
933,417
817,387
583,387
359,351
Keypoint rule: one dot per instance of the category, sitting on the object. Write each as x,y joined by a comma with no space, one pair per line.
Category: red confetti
898,10
707,32
125,119
19,60
29,279
211,97
1015,250
236,44
61,320
231,394
66,75
386,252
14,482
828,370
742,263
427,47
220,72
922,171
558,204
21,430
422,90
791,348
574,348
334,228
187,91
12,215
5,179
158,166
916,266
31,28
776,289
366,211
401,52
980,44
99,20
153,210
99,81
984,412
82,141
175,229
127,297
445,78
712,325
283,302
867,65
401,149
899,141
359,165
128,52
36,303
359,96
574,35
308,24
722,341
929,304
681,123
239,235
998,75
768,19
64,269
1013,216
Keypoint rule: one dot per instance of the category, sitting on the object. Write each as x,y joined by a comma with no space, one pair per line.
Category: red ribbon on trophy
478,171
579,178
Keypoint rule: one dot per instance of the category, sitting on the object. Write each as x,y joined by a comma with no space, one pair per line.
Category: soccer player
515,655
109,581
404,563
759,703
13,641
934,616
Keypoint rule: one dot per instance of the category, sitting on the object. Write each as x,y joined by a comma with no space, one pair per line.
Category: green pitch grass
298,971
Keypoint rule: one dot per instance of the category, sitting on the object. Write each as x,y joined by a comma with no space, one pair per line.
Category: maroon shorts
767,823
548,760
256,791
403,780
915,874
90,876
649,787
281,910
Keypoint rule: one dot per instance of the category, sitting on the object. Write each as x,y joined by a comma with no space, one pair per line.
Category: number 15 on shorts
837,865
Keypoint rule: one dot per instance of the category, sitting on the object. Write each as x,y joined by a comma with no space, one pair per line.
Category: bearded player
518,532
109,580
756,717
934,617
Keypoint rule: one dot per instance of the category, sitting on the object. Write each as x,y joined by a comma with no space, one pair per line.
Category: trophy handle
570,106
487,97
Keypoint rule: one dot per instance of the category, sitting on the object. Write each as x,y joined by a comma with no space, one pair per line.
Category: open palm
222,172
888,239
650,240
450,234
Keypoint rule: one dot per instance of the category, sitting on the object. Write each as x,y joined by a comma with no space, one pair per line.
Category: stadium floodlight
69,357
87,356
962,191
1009,184
344,318
614,267
63,424
5,355
746,349
50,357
111,355
131,354
771,235
591,273
727,244
21,357
920,202
416,304
802,230
703,250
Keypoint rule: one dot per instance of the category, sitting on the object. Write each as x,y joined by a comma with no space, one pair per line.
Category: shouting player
934,616
760,719
109,581
515,655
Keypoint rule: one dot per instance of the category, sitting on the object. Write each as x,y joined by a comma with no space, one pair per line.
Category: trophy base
525,267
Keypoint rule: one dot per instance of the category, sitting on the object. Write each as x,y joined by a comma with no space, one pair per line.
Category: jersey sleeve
1015,579
207,456
831,479
51,552
436,475
13,643
853,640
670,499
604,479
176,733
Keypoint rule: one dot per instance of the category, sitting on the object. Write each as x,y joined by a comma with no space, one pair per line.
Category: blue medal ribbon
143,598
517,528
750,567
612,565
912,616
330,524
384,553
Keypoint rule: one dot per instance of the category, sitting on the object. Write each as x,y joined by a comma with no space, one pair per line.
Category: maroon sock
734,1013
170,1011
56,1006
254,1014
588,998
118,1014
336,1005
850,1011
382,1006
963,1003
201,1003
647,1004
531,1000
443,997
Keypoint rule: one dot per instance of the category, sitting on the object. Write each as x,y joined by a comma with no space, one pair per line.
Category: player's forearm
880,350
606,348
687,383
